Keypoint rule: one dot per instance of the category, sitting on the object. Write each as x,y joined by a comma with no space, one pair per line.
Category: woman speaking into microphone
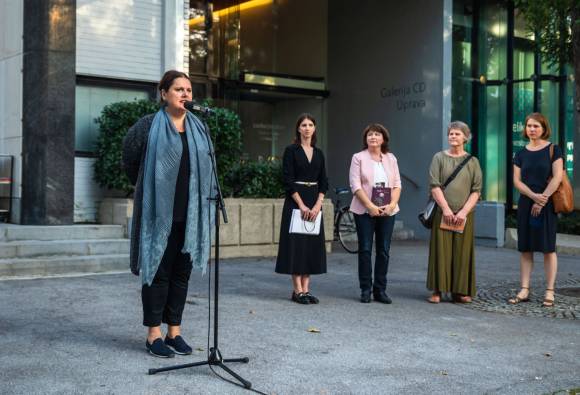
166,157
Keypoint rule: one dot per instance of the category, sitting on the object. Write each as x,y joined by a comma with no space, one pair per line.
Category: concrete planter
116,211
489,224
565,244
253,229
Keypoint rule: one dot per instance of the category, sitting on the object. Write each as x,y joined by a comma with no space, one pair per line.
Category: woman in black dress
305,182
537,174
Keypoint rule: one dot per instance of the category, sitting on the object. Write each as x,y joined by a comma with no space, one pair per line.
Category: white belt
308,184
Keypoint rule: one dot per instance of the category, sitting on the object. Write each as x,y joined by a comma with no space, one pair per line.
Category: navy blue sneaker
382,297
179,345
159,349
365,296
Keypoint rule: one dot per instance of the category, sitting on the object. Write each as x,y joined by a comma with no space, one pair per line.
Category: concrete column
173,35
48,123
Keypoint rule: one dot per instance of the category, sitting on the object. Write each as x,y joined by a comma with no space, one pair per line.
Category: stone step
62,265
35,248
11,232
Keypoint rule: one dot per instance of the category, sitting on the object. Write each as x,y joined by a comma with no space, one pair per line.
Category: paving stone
494,297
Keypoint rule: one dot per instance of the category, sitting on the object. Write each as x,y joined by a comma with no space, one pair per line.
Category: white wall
124,39
130,39
11,52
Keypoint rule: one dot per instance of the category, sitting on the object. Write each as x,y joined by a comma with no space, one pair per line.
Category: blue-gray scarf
162,160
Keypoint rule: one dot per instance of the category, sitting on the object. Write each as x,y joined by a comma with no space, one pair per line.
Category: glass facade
264,59
267,60
90,101
494,63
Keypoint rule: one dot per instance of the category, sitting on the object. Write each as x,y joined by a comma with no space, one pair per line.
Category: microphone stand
215,356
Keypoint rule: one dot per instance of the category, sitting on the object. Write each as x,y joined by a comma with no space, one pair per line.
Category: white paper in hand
300,226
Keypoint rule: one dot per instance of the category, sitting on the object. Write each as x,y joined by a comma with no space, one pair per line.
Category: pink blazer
362,175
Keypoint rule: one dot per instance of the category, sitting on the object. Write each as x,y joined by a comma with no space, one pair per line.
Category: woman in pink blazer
374,168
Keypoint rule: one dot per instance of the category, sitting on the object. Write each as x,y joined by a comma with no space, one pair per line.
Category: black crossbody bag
427,214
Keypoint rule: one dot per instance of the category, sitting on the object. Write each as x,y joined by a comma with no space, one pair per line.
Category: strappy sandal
548,302
434,298
458,298
518,300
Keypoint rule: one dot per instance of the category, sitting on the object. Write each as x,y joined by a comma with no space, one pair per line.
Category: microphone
194,107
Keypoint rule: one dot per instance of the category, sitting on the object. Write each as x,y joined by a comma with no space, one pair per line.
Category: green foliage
226,133
256,179
114,122
567,223
552,22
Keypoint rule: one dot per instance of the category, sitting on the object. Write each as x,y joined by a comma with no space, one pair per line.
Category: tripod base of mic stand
215,359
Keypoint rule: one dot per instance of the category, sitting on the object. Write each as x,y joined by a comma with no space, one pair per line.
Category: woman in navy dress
537,175
305,182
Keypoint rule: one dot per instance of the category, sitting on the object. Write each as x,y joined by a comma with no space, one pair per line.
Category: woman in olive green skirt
451,252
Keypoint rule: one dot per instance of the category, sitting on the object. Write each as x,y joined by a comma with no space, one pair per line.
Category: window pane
548,102
492,142
493,43
569,126
268,121
90,101
462,85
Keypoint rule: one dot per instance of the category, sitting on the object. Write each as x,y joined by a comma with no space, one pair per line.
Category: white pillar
11,63
173,35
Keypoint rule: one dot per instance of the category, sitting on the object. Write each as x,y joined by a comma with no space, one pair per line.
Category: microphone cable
209,274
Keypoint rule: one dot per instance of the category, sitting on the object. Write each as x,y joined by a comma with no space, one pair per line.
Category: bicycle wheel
347,231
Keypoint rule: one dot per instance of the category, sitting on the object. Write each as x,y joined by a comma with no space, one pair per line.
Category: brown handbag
563,197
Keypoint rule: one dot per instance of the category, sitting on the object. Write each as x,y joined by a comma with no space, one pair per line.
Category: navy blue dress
536,234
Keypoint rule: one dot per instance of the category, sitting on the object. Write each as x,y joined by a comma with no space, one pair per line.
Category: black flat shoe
300,298
365,297
382,297
179,345
311,298
159,349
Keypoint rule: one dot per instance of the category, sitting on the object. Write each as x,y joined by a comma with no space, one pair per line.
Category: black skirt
300,254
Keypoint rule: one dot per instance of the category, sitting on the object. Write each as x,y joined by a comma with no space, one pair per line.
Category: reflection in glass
569,127
522,106
492,40
462,83
284,43
492,142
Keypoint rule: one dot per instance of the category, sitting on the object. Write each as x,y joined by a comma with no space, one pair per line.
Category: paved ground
83,334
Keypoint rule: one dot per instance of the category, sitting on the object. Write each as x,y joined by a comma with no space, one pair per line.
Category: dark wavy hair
301,118
377,127
167,80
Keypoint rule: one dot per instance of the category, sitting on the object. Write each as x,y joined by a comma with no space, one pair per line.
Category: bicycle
344,225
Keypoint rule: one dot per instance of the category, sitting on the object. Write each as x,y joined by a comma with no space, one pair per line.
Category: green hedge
114,122
256,179
252,179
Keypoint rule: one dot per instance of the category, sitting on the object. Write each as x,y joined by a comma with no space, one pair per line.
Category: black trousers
164,300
